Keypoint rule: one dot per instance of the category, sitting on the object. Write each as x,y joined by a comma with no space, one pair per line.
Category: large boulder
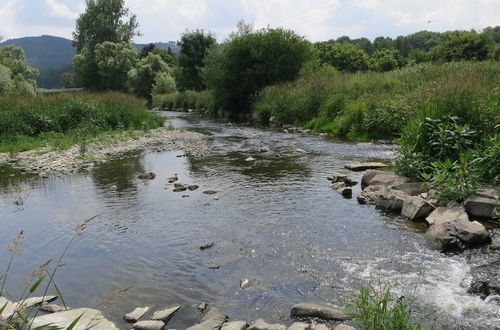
368,176
411,188
456,235
382,178
447,213
165,314
235,325
90,318
416,208
370,194
391,200
485,280
483,203
319,311
357,167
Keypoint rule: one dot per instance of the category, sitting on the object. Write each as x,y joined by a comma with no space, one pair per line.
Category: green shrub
27,122
381,311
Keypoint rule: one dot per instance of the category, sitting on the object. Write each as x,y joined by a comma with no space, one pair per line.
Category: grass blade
75,321
36,284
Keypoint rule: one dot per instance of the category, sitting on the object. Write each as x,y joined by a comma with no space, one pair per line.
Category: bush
381,311
243,66
41,117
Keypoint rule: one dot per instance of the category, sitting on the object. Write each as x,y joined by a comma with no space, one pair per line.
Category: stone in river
136,314
236,325
91,318
365,166
149,325
260,324
165,314
193,187
319,311
210,192
52,308
147,176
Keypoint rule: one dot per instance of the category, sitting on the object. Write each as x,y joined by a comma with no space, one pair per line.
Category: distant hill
52,55
45,52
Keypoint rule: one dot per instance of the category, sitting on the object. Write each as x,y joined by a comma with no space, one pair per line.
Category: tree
383,43
143,77
194,48
386,60
146,50
114,61
343,56
15,74
493,32
103,20
164,83
464,45
240,68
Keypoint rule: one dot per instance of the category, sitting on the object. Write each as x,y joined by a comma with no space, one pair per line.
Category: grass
381,311
373,105
63,120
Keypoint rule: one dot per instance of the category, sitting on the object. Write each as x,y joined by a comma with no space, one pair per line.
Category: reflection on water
275,221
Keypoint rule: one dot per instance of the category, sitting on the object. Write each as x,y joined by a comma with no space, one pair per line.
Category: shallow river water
276,222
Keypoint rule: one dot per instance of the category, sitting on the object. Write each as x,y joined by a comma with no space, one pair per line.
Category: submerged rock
342,189
173,179
245,283
456,235
136,314
91,318
260,324
147,176
149,325
319,311
485,280
165,314
207,246
193,187
213,319
210,192
202,306
365,166
249,159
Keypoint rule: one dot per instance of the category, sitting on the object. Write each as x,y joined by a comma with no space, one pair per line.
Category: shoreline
45,161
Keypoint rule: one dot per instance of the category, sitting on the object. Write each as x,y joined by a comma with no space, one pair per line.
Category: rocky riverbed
97,150
252,229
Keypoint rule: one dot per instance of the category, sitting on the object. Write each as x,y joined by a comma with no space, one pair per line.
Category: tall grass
376,310
381,105
64,119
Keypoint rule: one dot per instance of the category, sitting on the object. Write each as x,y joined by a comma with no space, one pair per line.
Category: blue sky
163,20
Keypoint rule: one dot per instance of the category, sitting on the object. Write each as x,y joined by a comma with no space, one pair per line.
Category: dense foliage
244,65
194,47
102,21
16,77
29,122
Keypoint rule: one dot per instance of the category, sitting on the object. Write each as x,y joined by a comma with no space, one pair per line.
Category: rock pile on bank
450,227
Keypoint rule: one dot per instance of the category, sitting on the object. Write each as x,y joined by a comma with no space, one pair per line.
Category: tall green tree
464,45
151,72
194,48
114,61
343,56
386,60
240,68
16,76
103,20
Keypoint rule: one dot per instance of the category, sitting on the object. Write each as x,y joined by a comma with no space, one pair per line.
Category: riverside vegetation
436,94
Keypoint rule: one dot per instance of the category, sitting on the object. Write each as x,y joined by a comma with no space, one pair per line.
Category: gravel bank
100,149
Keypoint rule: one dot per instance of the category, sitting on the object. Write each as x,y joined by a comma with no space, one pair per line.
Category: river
274,221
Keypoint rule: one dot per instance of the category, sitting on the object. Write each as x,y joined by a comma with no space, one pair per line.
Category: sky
317,20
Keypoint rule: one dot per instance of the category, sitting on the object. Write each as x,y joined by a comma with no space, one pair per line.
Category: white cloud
163,20
60,10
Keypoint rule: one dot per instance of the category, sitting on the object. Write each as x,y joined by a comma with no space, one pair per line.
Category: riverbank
46,160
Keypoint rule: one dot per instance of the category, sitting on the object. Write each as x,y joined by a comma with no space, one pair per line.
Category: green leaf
75,321
3,308
47,327
36,284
